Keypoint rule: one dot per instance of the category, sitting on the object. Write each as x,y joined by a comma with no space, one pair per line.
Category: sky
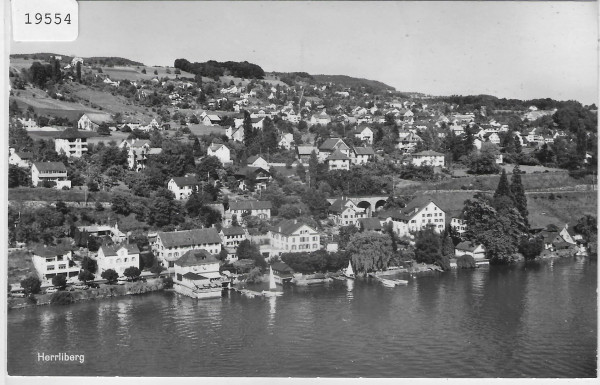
518,50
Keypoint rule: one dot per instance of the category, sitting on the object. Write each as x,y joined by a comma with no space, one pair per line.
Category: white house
338,161
429,158
260,209
418,214
72,143
286,141
344,212
231,237
363,133
221,151
55,172
477,251
362,155
322,119
170,246
19,159
182,187
458,224
329,146
235,134
118,258
293,236
90,121
50,261
258,161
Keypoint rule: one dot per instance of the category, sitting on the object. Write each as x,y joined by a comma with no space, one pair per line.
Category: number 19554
47,18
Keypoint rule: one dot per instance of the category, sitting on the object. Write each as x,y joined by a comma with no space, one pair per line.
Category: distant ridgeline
94,60
213,68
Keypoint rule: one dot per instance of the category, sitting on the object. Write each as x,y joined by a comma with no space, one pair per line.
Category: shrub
62,298
167,282
254,276
465,262
443,262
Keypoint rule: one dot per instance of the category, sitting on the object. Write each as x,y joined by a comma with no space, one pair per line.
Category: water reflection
349,288
272,310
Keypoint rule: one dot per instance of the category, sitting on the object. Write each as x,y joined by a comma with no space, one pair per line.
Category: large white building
344,212
428,158
72,143
118,258
92,120
54,172
50,261
169,246
293,236
261,209
418,214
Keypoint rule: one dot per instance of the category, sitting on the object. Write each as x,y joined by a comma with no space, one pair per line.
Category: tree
587,227
370,251
85,276
499,232
248,129
448,247
531,247
485,161
89,264
465,262
313,168
60,281
132,272
249,250
301,172
78,71
155,72
503,198
120,204
428,246
31,285
110,275
157,268
518,194
103,129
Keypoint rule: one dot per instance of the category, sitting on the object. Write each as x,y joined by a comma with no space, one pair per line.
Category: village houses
293,236
169,246
221,151
183,187
53,172
118,257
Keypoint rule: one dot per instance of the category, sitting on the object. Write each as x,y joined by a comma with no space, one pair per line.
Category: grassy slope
20,266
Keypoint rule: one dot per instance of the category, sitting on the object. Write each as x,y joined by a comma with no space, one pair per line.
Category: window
62,267
51,267
125,260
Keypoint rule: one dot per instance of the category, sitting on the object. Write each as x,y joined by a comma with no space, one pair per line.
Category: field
135,74
200,129
117,136
490,182
44,105
565,207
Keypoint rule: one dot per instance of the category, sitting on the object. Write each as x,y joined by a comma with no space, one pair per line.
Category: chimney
279,228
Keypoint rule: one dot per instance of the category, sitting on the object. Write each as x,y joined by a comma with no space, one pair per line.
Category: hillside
94,60
350,82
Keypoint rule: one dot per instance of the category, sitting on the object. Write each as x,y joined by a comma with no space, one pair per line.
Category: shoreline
107,291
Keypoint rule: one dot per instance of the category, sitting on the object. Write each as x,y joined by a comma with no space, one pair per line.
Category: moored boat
349,272
272,292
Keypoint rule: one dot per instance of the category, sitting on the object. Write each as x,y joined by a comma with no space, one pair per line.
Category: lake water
534,321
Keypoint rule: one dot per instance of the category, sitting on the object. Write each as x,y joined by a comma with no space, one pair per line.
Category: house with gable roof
90,121
363,133
344,212
323,119
183,187
338,161
429,158
221,151
197,275
362,155
293,236
329,146
170,246
20,159
54,172
258,161
50,261
260,209
118,257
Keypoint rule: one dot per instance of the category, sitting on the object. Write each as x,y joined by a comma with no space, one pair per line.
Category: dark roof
74,134
339,205
189,237
251,172
51,251
338,155
250,205
419,202
466,246
24,155
254,158
393,213
186,181
235,230
364,151
256,120
288,227
306,150
112,250
281,267
370,224
332,143
428,153
195,258
50,166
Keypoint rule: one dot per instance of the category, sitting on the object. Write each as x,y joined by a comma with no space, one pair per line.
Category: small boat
349,273
272,286
392,282
339,278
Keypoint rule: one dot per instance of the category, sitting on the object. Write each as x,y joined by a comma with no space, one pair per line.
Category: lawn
565,207
117,136
134,73
200,129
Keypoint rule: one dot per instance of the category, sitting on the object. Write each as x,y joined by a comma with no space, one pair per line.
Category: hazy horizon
520,50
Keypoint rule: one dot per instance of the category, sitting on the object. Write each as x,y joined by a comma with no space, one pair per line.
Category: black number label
47,18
